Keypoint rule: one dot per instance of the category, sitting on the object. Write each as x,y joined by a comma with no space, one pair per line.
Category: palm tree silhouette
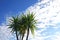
21,25
14,26
30,23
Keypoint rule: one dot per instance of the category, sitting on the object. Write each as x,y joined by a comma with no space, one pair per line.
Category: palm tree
27,23
18,26
22,23
14,26
30,22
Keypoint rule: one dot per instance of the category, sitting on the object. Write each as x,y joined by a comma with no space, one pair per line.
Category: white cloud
47,13
5,33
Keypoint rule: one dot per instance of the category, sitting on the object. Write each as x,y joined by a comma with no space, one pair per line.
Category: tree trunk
27,34
17,36
22,36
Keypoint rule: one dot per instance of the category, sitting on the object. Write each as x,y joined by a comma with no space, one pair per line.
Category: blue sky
12,7
47,13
